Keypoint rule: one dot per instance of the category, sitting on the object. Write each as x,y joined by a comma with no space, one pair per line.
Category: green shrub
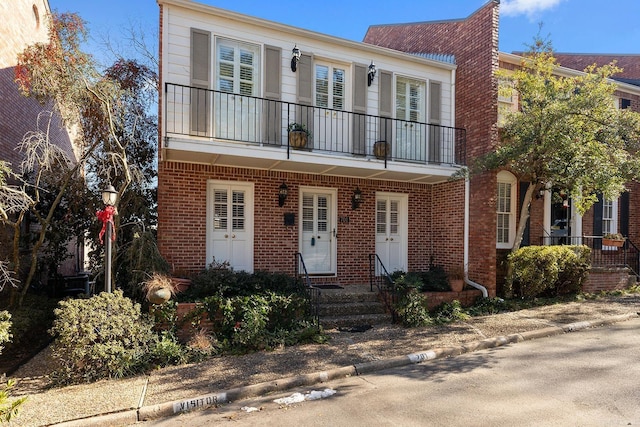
484,306
221,280
547,270
412,309
435,279
449,312
5,327
166,351
104,336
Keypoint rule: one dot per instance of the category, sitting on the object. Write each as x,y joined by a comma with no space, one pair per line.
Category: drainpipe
468,281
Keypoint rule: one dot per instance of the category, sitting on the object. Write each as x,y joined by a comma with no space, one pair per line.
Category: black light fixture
356,199
541,192
109,196
295,57
371,73
283,191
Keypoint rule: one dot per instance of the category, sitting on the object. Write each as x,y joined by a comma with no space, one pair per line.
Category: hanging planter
381,149
298,135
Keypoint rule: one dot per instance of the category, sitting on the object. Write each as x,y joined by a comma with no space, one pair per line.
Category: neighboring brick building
24,22
474,43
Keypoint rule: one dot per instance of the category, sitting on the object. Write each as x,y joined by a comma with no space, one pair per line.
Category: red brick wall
435,219
606,280
474,42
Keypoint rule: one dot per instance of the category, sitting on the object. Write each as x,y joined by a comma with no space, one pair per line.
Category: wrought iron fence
212,114
312,293
381,279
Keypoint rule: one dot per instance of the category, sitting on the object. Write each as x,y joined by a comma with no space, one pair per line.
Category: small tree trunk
522,225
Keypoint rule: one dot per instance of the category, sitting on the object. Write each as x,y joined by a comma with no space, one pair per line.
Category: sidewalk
169,391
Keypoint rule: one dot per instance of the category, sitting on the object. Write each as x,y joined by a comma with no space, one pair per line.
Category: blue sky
579,26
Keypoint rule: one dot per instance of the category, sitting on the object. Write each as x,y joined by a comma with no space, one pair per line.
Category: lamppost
109,198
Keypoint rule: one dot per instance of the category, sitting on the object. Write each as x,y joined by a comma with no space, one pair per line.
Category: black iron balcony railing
602,255
197,112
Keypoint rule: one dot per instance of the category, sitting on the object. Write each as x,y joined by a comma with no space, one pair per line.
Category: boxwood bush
547,270
104,336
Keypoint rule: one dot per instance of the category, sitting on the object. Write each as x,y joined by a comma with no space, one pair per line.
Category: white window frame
506,178
256,74
332,97
609,222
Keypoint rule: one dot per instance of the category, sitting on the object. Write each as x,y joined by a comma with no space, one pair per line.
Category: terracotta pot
382,150
297,139
159,296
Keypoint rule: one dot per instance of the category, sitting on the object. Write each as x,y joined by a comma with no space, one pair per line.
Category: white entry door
317,235
230,224
391,230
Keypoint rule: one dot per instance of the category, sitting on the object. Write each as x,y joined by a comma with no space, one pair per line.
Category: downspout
468,281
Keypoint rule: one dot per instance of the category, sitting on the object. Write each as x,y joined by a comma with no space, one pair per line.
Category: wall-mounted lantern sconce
283,191
540,194
295,57
371,73
356,199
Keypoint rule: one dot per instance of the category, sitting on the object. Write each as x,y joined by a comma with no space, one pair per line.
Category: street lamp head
109,196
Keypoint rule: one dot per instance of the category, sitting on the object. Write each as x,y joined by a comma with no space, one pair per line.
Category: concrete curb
145,413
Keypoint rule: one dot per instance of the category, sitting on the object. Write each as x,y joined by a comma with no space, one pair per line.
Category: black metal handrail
626,255
224,116
380,277
312,293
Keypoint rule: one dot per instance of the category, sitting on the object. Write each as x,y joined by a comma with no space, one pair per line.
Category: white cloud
526,7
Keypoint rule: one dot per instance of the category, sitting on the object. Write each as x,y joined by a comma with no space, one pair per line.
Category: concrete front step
349,321
346,308
351,306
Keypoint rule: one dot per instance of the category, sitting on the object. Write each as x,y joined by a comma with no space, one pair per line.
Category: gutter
468,281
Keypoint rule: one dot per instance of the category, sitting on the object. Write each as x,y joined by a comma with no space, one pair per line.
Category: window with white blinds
237,66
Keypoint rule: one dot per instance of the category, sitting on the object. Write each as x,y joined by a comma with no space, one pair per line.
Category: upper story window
507,101
330,86
505,210
609,216
410,102
237,67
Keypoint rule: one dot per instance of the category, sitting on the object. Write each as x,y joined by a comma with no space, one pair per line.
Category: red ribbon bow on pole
106,216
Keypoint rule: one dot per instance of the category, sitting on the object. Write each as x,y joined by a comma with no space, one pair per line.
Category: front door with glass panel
410,112
331,125
317,236
236,114
391,230
230,224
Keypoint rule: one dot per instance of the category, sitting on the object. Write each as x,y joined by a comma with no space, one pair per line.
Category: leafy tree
568,133
108,111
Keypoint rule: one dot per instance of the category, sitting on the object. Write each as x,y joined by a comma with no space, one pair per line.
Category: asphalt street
586,378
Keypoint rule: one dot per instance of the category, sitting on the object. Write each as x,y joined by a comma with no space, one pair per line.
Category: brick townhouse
474,42
373,177
427,91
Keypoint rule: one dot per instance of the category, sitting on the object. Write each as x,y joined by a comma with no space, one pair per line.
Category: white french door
410,109
236,114
318,232
391,230
331,125
230,224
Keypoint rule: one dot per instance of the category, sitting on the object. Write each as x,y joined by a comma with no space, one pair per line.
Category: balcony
225,128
